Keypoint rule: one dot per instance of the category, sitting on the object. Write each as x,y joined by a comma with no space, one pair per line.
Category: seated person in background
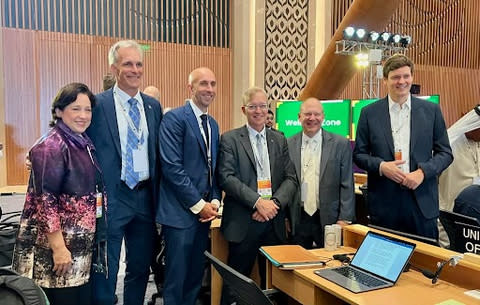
468,202
323,163
108,81
464,136
270,120
153,92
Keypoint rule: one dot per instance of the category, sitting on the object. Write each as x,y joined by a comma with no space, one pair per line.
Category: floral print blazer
61,195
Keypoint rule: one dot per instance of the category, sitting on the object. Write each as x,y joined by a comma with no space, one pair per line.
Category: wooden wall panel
21,108
459,89
37,64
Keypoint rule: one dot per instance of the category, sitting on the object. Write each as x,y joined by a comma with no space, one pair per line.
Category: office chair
245,289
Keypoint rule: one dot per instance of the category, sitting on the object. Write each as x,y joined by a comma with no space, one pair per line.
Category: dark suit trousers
184,263
404,215
138,229
242,255
309,230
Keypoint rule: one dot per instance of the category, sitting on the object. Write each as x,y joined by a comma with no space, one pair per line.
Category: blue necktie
132,177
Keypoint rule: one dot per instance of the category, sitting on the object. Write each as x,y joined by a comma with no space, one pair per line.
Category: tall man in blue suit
189,196
124,129
403,144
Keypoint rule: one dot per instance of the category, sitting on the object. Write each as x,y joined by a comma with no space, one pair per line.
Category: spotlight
348,32
361,60
385,36
360,34
373,36
405,41
395,38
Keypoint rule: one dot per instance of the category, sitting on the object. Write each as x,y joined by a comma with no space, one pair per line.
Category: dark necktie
207,139
205,129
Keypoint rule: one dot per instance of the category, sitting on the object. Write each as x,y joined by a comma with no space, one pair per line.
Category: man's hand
391,171
257,217
208,213
267,208
414,179
342,223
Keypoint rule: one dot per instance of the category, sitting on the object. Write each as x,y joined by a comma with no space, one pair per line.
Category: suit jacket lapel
245,141
384,120
271,147
111,118
415,120
214,140
192,121
297,155
326,151
149,115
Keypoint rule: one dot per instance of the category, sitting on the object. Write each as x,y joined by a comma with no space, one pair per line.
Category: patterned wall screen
197,22
285,48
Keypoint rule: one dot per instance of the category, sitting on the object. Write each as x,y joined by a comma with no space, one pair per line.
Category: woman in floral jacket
63,220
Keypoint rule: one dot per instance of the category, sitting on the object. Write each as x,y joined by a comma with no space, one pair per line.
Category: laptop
378,263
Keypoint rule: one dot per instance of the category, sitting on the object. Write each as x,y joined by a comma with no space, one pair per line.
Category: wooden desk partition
464,274
412,287
219,249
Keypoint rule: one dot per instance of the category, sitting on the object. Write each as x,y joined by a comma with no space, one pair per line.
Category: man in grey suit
258,177
323,162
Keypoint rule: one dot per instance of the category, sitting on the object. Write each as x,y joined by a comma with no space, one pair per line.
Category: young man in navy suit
124,130
403,144
189,195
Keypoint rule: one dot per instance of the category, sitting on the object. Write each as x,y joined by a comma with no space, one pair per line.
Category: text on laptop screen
382,256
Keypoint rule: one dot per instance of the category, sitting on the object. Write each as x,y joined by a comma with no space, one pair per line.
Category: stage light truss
352,47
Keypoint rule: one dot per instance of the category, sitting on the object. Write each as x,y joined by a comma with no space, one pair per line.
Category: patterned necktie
310,204
132,177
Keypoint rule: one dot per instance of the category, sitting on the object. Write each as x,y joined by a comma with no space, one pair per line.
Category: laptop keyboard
358,276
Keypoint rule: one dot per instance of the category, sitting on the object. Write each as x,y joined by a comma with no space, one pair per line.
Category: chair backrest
245,289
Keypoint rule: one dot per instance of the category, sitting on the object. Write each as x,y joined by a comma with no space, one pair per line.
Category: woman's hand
62,258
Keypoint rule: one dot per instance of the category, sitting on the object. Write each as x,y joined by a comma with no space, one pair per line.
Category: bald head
311,116
196,74
202,85
153,92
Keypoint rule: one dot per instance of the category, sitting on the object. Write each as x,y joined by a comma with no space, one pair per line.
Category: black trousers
242,255
80,295
309,230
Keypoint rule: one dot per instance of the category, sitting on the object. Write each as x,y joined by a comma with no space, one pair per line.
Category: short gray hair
113,53
248,95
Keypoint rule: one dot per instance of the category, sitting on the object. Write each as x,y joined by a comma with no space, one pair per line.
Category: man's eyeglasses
314,114
255,107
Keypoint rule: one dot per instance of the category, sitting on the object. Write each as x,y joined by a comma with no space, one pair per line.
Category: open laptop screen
383,256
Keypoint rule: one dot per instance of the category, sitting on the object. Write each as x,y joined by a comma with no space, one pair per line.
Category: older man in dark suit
323,162
258,178
189,195
403,144
124,129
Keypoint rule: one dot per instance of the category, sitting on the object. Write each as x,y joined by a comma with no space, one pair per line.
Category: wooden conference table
412,287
